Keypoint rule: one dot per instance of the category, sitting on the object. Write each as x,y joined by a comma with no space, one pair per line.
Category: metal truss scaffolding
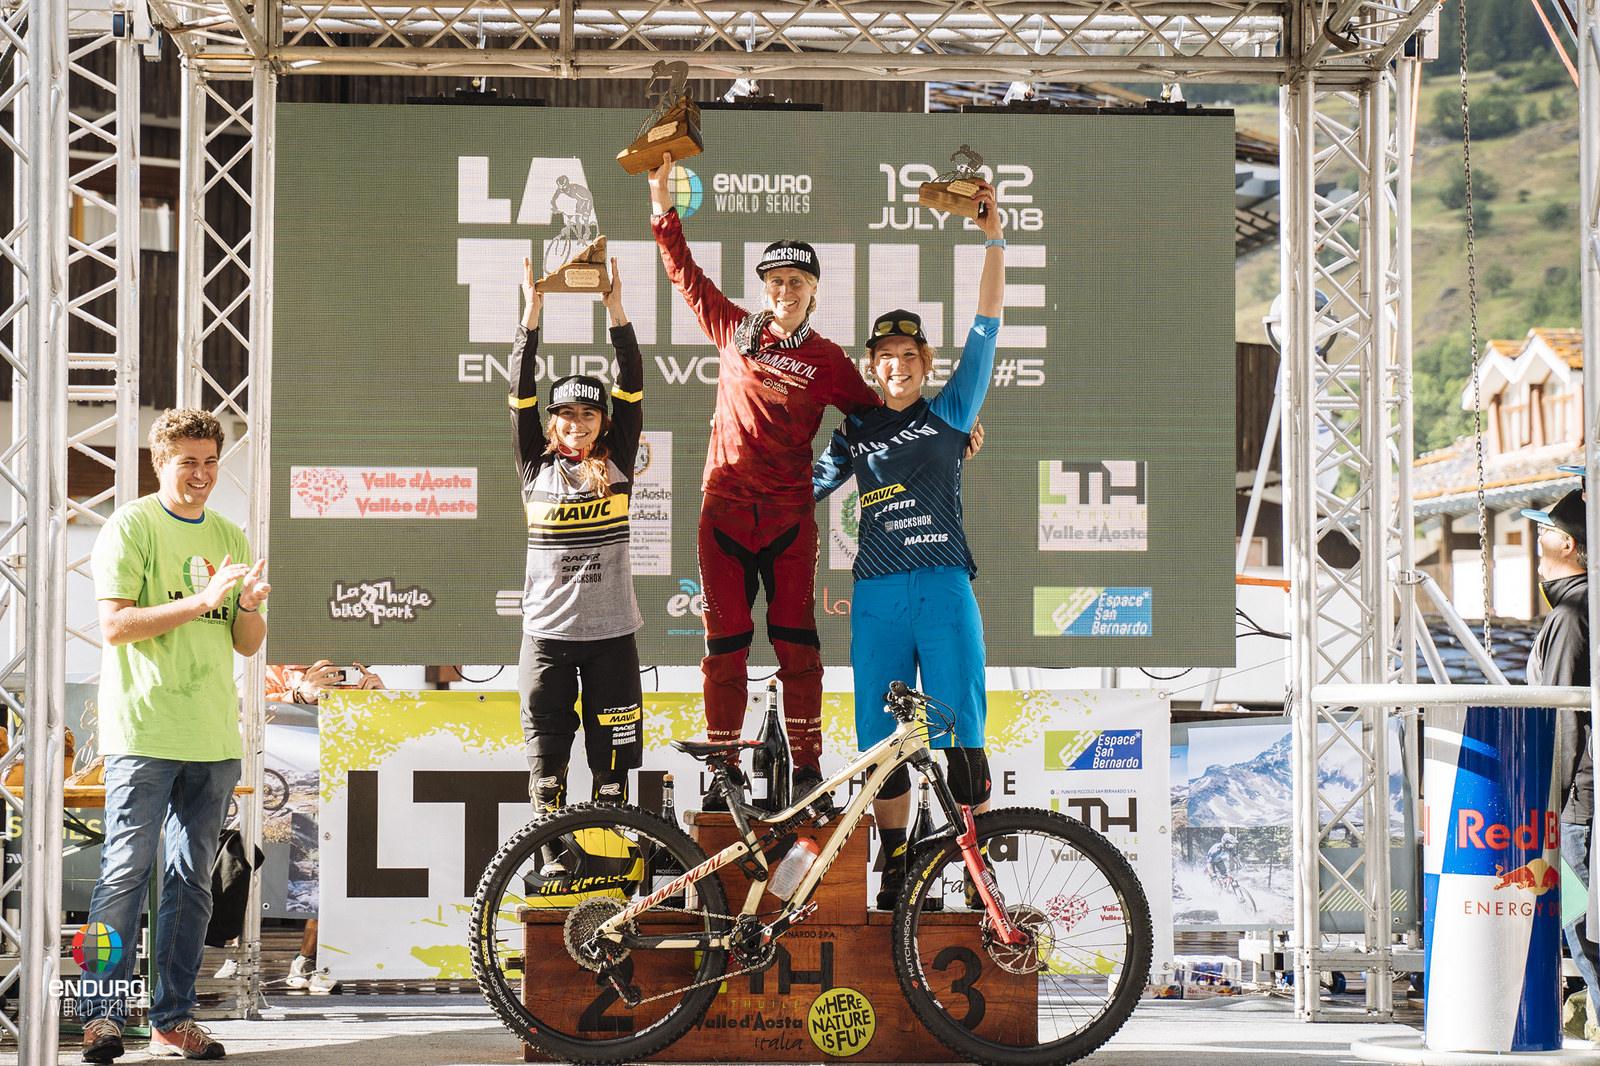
225,300
1589,254
1346,112
1347,451
33,333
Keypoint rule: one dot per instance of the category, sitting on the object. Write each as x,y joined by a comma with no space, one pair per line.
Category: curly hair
182,424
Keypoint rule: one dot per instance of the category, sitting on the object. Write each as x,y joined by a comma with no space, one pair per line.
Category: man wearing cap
579,614
757,522
1560,656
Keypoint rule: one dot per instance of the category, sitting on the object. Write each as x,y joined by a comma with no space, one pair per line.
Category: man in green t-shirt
178,596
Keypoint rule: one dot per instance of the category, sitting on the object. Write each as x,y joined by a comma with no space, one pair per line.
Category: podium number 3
971,971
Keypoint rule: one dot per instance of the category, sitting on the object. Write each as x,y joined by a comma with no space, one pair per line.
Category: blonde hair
593,469
182,424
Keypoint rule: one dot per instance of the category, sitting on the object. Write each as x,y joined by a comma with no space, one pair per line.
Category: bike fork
983,881
967,840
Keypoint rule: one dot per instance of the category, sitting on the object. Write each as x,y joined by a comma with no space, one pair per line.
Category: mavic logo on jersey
1093,749
1092,612
877,496
610,509
620,715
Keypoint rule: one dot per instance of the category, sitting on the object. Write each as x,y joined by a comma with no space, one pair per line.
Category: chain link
1472,310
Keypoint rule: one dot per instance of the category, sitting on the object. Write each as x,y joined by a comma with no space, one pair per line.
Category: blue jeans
1575,850
146,799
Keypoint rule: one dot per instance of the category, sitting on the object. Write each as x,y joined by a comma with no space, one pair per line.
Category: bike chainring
752,949
578,933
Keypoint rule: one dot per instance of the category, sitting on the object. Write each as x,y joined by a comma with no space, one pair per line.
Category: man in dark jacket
1560,656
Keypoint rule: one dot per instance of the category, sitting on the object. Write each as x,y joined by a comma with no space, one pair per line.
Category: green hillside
1525,166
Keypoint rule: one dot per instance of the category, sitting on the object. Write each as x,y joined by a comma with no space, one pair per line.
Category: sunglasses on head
904,325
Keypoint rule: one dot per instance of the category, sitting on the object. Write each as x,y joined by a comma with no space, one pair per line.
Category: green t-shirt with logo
171,696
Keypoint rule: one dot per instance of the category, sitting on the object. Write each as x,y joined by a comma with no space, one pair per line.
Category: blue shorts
923,622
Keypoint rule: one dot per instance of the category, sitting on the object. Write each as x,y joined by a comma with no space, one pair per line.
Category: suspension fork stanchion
959,814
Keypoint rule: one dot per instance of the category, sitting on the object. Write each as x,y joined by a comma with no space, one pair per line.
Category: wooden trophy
952,192
673,125
575,261
584,272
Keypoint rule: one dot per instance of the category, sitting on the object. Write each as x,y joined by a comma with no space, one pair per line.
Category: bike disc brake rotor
1038,944
578,931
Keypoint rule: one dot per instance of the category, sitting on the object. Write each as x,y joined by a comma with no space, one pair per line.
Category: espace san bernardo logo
1093,749
1092,612
98,948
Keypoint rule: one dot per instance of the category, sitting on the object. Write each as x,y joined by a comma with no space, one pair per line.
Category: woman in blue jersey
913,607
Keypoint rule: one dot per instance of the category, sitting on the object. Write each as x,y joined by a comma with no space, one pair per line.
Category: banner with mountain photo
1232,828
1100,511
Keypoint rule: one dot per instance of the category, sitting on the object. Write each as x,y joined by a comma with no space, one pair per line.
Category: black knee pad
899,783
610,786
547,789
968,774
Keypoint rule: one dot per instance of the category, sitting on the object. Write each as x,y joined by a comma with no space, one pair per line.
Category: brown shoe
189,1039
102,1041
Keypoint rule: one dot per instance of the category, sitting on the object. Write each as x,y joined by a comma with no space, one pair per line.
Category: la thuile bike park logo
97,948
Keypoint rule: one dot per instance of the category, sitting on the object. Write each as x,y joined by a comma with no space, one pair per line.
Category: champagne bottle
665,868
922,829
770,764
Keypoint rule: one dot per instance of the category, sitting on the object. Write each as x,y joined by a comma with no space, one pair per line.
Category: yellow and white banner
420,788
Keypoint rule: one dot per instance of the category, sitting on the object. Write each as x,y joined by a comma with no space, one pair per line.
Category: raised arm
832,467
527,433
992,283
627,410
717,314
958,402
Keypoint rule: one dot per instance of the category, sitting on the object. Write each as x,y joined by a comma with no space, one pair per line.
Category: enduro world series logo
97,948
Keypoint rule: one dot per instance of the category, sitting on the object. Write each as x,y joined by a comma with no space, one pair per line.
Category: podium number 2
971,970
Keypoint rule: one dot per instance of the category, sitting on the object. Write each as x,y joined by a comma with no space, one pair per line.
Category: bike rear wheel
611,856
1088,959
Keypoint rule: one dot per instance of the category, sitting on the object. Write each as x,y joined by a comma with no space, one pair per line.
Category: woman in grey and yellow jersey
579,615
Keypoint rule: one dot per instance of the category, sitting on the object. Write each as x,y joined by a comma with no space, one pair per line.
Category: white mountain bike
646,919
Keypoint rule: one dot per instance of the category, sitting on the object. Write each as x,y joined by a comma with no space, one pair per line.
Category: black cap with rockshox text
797,254
579,388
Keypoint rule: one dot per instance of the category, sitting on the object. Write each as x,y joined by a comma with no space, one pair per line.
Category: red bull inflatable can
1491,880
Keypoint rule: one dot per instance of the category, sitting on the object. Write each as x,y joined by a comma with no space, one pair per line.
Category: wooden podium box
832,993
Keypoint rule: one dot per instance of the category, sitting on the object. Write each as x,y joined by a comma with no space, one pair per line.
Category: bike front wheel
1075,980
534,953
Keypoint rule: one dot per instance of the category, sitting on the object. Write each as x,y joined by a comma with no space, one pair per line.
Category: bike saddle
706,749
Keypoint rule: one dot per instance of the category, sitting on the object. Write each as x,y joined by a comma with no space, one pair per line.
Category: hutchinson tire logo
841,1022
687,190
197,573
97,948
